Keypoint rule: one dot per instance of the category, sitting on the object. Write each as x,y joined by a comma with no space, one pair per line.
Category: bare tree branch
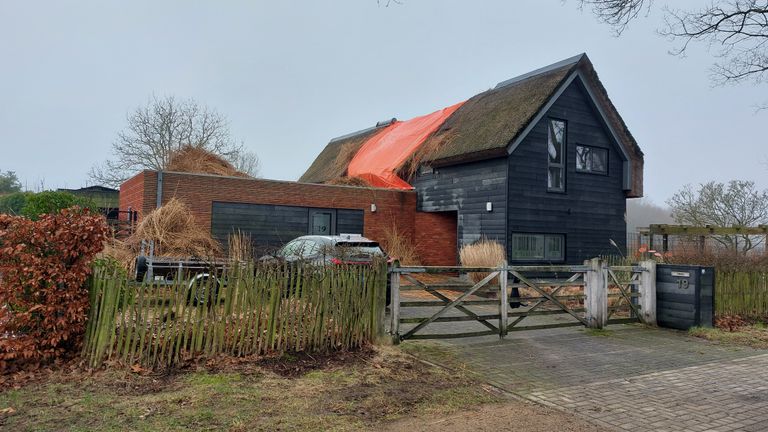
617,13
162,126
735,30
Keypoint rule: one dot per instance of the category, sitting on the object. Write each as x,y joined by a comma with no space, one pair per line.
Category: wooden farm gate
591,295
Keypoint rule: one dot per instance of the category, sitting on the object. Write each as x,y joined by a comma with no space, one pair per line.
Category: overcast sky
290,75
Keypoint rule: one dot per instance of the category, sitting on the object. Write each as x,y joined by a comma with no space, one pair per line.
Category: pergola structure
701,232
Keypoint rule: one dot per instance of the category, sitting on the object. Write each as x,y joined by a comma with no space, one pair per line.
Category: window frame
544,237
563,165
593,172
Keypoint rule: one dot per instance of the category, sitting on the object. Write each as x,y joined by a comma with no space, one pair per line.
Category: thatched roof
332,162
486,124
490,120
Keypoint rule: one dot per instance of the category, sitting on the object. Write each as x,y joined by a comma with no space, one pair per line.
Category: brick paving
631,378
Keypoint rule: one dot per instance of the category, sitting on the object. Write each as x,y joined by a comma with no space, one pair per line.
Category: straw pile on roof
197,160
348,181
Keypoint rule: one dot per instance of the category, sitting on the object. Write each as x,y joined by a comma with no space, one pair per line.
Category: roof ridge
571,60
379,124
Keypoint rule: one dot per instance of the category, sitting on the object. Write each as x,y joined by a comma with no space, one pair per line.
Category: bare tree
247,162
159,128
736,31
737,203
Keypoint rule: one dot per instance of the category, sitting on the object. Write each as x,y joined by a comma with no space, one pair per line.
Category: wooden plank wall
466,189
592,210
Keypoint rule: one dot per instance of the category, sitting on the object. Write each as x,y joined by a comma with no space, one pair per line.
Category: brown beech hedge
44,266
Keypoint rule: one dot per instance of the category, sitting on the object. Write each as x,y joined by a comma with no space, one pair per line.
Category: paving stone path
629,378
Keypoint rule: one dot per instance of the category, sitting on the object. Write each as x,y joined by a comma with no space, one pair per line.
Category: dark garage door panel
272,226
349,221
268,225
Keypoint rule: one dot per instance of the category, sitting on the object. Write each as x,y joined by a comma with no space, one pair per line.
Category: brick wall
435,237
138,193
433,233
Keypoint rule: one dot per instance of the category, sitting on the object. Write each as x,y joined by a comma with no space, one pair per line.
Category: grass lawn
753,335
352,391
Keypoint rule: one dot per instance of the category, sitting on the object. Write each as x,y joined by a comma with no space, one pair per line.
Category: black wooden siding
271,226
466,189
349,221
592,210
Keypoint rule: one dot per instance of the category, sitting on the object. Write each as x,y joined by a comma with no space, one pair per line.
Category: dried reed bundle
348,181
197,160
398,246
174,232
240,247
483,253
120,252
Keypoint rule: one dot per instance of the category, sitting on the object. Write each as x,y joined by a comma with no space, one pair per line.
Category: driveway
627,378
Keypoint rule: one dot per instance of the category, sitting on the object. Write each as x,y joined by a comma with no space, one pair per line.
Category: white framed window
556,136
593,160
538,247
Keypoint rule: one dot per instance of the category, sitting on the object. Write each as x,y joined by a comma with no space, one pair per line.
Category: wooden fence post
394,286
647,290
503,299
596,291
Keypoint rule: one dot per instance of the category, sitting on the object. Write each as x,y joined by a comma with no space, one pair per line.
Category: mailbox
685,296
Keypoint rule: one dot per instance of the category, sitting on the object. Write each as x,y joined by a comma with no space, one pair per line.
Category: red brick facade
434,234
436,237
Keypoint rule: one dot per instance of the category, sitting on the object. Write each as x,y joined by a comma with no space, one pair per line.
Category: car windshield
292,249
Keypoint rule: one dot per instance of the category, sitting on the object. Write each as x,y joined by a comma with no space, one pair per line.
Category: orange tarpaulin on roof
383,153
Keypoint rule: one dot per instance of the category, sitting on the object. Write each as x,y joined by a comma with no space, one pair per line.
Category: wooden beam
647,290
664,229
596,290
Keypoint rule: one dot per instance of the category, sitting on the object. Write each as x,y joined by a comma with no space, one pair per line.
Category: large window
591,159
538,247
556,156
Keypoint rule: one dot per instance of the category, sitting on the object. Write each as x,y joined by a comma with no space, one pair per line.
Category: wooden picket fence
250,309
741,293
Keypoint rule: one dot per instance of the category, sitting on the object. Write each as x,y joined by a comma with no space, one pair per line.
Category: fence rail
592,295
247,310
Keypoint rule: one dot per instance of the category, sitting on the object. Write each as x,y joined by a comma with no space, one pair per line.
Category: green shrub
13,203
49,202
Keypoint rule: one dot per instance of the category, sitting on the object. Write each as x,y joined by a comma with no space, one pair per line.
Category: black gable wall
466,189
592,210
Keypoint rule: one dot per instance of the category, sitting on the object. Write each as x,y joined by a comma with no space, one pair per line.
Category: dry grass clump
425,153
174,232
483,253
192,159
399,247
240,247
120,252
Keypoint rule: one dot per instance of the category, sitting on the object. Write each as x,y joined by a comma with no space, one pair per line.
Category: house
106,198
542,163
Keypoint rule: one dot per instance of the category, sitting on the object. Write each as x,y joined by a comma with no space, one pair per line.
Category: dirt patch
292,365
513,416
